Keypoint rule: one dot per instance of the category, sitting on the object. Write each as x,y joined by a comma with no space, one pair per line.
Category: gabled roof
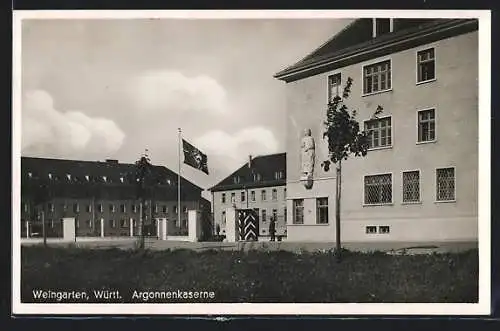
357,37
70,177
266,166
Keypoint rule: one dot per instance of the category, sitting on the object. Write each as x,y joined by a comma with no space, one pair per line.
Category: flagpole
179,182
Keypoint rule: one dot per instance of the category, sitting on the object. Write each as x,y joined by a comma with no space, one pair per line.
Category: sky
95,89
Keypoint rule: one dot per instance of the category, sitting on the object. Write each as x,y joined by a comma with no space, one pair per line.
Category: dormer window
278,175
236,179
382,26
257,177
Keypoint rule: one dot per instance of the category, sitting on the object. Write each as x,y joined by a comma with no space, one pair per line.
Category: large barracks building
101,192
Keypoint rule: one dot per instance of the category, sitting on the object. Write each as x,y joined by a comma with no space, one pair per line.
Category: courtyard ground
254,275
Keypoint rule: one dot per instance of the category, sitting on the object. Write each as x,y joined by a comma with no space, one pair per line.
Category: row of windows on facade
258,177
263,196
112,208
88,178
263,216
378,190
124,223
377,77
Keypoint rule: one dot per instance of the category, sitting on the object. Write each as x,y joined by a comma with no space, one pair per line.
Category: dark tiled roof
266,166
357,37
111,179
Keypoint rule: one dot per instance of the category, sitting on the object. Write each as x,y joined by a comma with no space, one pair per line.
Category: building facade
95,192
419,180
259,184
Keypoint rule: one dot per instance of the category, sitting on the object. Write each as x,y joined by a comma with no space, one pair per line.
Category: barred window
378,189
377,77
411,186
445,184
274,194
322,211
334,82
298,211
263,195
384,229
371,229
379,132
252,195
426,65
223,198
426,125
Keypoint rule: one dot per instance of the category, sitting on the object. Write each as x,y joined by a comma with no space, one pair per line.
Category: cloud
232,150
172,91
50,132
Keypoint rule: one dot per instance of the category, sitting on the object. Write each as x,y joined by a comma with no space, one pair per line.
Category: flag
194,157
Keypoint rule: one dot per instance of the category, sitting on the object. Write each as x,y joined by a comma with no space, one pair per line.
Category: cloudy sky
97,89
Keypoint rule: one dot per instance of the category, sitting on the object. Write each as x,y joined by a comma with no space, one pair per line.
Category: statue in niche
307,158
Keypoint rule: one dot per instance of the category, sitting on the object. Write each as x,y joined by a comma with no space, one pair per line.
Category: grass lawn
254,276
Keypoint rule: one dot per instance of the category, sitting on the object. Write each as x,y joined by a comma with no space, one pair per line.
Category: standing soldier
272,228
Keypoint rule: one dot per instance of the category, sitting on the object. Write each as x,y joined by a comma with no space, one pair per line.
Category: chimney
249,161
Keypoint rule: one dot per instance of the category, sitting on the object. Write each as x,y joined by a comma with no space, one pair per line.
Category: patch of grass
255,276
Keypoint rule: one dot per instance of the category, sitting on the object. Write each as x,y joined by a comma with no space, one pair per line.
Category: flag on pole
194,157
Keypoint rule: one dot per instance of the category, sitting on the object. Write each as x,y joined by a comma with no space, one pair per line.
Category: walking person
272,228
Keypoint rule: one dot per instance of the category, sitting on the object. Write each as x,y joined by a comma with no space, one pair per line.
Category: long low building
95,192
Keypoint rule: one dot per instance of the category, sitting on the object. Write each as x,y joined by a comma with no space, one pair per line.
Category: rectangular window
184,209
25,207
50,206
298,211
155,208
164,209
377,77
252,195
378,189
123,223
274,194
426,65
242,196
445,184
264,212
426,125
175,209
100,208
379,132
384,229
371,229
382,26
322,211
257,177
112,224
123,208
233,197
236,179
223,218
76,207
134,208
411,186
89,224
223,198
77,223
284,214
111,208
334,82
89,208
284,193
275,214
263,195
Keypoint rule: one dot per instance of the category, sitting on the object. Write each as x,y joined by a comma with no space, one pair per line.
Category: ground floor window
378,189
445,184
298,211
322,211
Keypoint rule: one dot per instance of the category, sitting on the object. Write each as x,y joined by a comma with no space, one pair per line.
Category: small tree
143,176
344,139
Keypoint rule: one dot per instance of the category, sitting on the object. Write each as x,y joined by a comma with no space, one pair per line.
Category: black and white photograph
251,162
